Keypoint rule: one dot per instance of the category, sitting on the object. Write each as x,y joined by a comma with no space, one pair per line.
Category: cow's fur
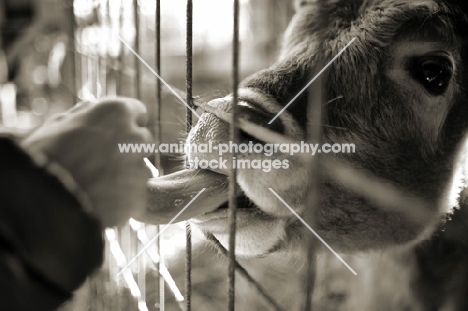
402,133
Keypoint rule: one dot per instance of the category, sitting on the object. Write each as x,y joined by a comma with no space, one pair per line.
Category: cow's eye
434,73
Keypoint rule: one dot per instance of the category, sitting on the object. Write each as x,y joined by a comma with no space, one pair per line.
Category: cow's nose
247,110
254,113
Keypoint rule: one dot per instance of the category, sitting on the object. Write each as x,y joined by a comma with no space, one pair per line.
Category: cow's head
398,92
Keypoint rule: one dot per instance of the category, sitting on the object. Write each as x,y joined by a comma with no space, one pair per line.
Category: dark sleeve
49,243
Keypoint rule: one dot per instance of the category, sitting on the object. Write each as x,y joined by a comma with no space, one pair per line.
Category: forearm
48,242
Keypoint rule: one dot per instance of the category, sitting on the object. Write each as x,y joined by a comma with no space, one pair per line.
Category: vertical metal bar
157,108
71,28
189,90
234,137
162,297
142,274
316,111
141,262
118,91
137,80
158,138
189,53
314,135
188,267
111,264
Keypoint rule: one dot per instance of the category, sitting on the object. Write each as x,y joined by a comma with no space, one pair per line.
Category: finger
55,118
142,136
140,114
145,135
138,110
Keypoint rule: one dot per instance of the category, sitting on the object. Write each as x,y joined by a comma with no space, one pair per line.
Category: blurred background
59,54
56,53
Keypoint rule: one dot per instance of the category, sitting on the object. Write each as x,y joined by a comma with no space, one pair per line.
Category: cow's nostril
255,113
246,137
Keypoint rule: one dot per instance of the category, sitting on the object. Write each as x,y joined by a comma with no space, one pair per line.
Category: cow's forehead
379,22
364,4
335,16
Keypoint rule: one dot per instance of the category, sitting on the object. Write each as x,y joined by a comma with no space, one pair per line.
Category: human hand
85,141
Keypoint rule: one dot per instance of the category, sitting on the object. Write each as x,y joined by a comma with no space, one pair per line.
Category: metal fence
99,70
95,70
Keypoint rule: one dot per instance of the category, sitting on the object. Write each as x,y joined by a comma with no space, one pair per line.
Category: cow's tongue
169,194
